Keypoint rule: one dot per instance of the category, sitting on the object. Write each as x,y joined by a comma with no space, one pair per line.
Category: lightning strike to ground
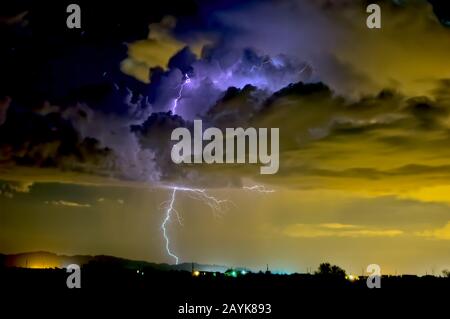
169,211
195,193
214,203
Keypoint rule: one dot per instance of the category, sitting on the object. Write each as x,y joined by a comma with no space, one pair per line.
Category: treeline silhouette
110,275
111,287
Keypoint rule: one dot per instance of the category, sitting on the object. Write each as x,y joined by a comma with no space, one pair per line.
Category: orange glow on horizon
39,265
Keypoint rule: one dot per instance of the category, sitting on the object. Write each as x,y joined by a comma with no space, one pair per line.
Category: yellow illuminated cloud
400,55
337,230
155,51
442,233
440,193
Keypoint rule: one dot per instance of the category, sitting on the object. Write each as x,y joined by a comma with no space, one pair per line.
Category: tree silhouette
326,269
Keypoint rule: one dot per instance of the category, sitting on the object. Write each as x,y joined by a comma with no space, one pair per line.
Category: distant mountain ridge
44,259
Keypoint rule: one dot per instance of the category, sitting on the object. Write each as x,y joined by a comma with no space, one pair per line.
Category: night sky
364,116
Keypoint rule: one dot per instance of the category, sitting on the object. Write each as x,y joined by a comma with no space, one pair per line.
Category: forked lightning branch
231,149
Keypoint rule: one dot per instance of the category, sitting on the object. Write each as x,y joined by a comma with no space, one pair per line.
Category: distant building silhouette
267,270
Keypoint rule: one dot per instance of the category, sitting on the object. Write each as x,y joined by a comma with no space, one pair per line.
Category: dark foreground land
164,294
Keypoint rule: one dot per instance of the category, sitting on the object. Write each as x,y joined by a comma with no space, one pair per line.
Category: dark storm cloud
332,37
31,139
73,109
372,174
154,134
136,145
210,74
44,58
4,105
236,107
442,11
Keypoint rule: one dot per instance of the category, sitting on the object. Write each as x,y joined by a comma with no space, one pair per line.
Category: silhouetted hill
43,259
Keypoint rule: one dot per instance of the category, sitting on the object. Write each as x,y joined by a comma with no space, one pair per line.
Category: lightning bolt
195,193
258,188
214,203
169,211
186,80
260,66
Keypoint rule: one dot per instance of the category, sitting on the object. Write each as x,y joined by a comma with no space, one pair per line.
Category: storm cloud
334,88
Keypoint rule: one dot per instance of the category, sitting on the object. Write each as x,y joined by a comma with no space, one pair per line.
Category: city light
351,277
